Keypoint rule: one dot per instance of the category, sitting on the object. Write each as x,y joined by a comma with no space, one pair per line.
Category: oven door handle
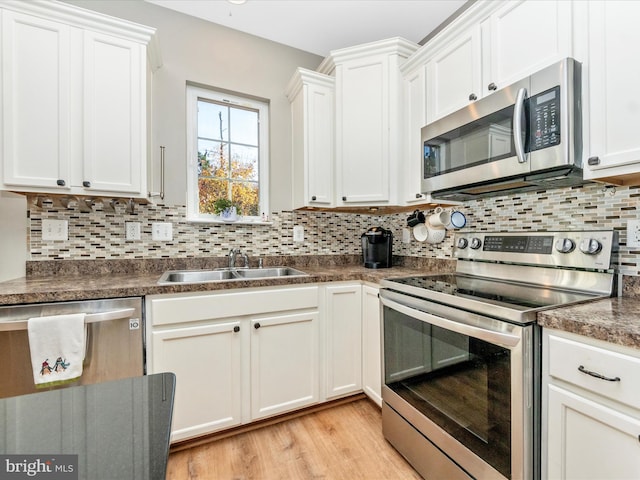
497,338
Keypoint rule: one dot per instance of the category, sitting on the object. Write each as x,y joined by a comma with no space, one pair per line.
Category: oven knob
475,243
565,245
462,243
590,246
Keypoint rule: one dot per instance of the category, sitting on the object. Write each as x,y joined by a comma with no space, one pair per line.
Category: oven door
464,381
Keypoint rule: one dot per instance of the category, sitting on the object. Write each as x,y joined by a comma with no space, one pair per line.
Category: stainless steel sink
269,272
172,277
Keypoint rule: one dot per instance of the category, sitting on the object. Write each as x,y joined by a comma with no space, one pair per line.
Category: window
228,154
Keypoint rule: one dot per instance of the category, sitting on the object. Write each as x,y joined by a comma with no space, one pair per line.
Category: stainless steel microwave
527,136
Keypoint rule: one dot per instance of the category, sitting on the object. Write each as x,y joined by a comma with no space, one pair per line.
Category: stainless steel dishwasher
114,330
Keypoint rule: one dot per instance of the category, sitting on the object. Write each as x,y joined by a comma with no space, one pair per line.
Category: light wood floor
343,442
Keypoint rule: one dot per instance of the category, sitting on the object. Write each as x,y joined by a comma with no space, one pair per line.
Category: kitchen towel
57,345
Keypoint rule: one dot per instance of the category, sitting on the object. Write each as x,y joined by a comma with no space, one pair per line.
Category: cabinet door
343,340
613,79
114,122
589,440
454,75
525,36
35,101
207,363
313,127
284,365
362,130
416,115
371,344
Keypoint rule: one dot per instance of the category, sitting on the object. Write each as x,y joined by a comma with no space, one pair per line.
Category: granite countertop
82,285
116,429
614,320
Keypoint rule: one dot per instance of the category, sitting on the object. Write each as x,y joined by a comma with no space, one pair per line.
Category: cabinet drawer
567,358
194,308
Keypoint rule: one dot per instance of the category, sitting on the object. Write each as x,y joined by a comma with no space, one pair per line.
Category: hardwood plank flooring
343,442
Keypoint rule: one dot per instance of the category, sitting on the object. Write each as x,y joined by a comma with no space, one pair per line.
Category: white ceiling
319,26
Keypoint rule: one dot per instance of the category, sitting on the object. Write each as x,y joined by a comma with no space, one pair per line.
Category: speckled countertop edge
77,284
614,320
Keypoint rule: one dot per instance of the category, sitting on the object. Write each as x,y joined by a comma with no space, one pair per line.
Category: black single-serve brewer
377,246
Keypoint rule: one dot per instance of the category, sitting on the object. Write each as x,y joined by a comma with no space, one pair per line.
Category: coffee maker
377,245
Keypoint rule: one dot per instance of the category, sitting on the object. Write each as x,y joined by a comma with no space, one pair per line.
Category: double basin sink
173,277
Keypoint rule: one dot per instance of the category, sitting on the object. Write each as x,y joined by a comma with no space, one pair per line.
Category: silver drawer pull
597,375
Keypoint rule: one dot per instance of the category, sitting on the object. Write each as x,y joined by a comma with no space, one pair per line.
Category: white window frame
194,93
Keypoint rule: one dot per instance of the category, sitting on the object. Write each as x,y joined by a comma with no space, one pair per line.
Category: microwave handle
517,125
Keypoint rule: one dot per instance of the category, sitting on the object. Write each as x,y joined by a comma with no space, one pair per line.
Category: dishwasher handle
14,325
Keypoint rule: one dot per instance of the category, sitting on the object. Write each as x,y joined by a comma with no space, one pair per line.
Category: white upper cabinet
369,121
613,149
73,101
490,46
454,74
415,109
311,95
522,37
114,109
35,101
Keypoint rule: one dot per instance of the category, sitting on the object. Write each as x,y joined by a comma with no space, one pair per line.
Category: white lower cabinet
246,354
591,425
371,344
284,363
228,372
343,339
207,361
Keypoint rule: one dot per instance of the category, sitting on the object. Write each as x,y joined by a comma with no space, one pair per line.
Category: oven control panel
577,249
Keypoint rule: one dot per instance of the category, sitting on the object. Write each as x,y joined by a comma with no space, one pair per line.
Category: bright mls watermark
50,467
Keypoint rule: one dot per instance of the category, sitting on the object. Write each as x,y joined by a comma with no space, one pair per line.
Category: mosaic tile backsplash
100,234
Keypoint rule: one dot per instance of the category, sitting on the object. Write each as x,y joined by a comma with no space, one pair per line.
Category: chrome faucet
233,254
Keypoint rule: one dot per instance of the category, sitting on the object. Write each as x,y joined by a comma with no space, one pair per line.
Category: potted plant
226,209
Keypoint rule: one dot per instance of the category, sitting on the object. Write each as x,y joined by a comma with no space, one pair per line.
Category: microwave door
475,145
474,153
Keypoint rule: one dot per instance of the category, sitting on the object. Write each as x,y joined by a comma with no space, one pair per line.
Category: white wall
13,235
202,52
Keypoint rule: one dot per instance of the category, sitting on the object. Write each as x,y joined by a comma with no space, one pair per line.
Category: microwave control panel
544,113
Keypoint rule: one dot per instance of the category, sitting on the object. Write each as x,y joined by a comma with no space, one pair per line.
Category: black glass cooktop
451,288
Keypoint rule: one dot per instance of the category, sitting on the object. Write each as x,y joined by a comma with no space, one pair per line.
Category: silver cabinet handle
161,192
88,318
517,125
581,369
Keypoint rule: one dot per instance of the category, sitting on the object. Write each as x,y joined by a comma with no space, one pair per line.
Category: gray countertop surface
615,320
56,288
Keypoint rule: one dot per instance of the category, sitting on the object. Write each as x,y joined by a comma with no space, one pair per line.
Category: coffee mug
456,220
415,218
439,218
421,232
436,234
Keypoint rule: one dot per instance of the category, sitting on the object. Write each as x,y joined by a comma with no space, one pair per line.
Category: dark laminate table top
119,429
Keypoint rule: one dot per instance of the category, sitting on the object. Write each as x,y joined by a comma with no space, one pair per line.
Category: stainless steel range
461,393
